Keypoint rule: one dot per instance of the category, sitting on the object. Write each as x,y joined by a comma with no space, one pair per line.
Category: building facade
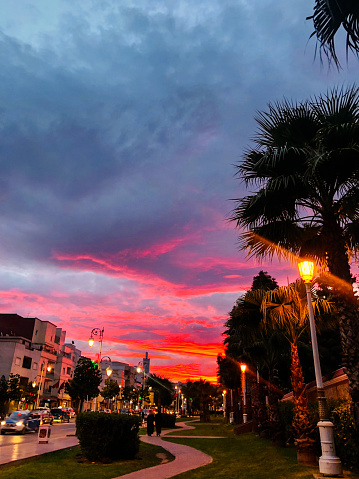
37,352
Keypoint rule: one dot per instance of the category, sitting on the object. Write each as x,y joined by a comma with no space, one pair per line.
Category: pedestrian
143,416
158,422
150,423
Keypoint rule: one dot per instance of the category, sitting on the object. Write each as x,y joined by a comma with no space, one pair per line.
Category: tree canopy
86,381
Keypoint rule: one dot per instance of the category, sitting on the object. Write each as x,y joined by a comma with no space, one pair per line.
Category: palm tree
328,17
305,169
286,309
246,342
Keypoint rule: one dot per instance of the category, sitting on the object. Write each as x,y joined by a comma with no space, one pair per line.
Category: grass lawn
213,428
246,456
65,464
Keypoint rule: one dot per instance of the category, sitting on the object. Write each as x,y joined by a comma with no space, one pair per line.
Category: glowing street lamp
108,369
40,385
243,369
329,463
224,403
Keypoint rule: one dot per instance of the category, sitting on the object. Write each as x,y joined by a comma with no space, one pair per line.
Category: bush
345,434
168,420
107,436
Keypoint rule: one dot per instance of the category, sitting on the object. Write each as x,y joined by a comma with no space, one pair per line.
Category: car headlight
3,423
19,423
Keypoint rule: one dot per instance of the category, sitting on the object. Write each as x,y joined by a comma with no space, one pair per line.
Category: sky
121,123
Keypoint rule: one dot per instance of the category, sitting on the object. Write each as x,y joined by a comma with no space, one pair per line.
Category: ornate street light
329,463
243,369
97,332
108,369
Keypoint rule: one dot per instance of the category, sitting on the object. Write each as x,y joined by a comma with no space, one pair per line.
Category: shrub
168,420
107,436
346,434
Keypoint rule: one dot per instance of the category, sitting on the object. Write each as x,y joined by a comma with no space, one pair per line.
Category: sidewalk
186,458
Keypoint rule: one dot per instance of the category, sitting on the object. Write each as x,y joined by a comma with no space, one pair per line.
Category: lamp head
91,341
108,371
34,384
306,270
49,369
138,369
243,368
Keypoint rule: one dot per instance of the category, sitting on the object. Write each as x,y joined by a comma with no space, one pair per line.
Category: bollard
44,433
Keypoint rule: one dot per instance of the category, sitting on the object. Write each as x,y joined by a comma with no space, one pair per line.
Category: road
57,431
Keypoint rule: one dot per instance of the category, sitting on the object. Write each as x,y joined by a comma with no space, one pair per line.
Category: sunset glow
121,123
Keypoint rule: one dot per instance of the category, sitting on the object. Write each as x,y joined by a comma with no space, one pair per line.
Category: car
21,422
69,411
59,415
45,415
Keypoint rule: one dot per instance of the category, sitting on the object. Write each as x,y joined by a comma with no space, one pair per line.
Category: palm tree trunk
301,424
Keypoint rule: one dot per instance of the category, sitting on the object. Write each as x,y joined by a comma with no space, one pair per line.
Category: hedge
107,436
168,420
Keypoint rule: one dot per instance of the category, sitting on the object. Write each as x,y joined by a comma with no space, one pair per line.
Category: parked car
60,415
45,415
21,422
69,411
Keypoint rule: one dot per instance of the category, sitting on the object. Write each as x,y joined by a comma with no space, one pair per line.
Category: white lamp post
224,403
243,369
329,463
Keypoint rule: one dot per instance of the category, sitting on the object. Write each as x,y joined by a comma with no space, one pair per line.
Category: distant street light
108,369
243,369
97,332
48,369
329,463
224,403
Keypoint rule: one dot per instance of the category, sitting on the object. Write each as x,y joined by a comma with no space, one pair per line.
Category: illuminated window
17,361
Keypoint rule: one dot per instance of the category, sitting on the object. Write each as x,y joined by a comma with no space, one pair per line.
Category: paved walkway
186,458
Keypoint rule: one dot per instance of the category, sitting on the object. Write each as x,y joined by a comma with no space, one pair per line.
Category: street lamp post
97,332
48,369
243,369
108,369
140,369
329,463
224,403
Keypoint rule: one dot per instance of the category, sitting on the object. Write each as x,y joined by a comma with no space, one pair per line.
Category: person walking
158,422
150,423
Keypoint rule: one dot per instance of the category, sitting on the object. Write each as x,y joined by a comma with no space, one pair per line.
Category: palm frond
327,18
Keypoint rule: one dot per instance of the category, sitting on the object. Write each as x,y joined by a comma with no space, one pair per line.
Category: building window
34,365
26,362
17,361
68,370
63,370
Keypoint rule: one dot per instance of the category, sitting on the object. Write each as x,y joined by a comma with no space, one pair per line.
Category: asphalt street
17,446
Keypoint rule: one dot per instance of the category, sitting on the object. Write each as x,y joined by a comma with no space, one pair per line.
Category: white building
36,350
